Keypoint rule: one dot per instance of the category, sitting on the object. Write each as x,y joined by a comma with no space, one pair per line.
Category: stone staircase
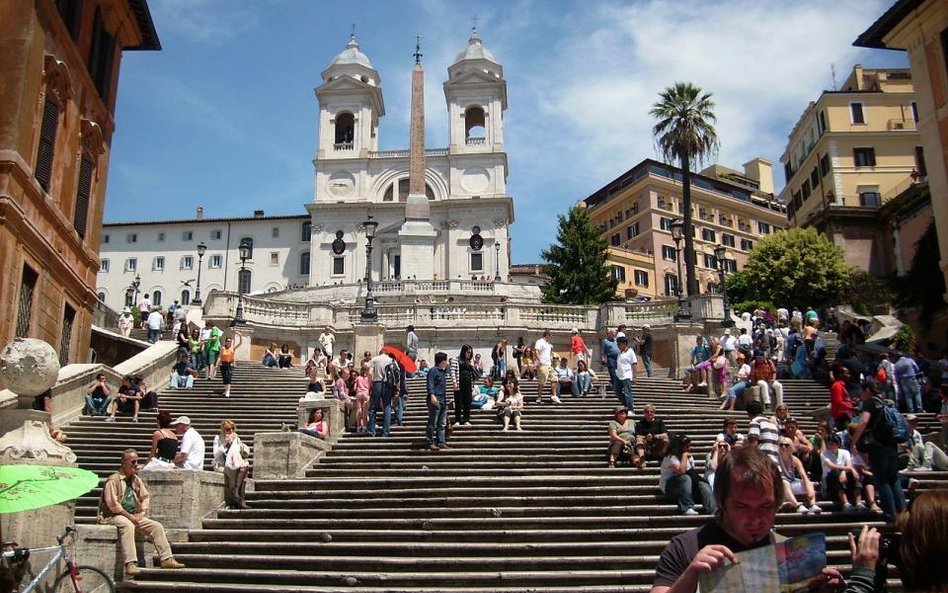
536,510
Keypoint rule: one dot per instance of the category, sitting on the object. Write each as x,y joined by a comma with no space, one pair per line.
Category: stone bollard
181,499
334,412
282,455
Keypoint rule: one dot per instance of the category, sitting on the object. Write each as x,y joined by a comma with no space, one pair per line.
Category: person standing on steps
381,394
228,360
625,372
230,458
436,387
327,340
609,357
212,348
645,348
411,343
465,391
578,348
544,350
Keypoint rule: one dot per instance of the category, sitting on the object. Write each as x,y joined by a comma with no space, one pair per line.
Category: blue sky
225,114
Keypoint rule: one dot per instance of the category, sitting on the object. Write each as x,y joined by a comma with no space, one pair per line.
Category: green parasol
25,487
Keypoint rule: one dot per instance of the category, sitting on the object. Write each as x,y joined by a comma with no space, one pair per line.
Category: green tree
685,132
797,267
576,263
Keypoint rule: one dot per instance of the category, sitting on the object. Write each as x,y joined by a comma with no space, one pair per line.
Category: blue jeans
911,394
97,407
884,463
153,335
681,488
399,409
561,388
437,419
647,361
614,380
740,386
197,360
584,383
380,393
625,394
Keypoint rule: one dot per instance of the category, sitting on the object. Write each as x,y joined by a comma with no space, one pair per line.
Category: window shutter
83,193
47,144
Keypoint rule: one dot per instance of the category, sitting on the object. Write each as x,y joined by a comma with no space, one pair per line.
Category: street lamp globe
243,248
202,249
676,227
720,253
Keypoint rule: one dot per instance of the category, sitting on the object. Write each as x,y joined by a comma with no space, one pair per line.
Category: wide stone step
353,587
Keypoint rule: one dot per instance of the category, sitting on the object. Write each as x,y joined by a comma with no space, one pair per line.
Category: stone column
368,336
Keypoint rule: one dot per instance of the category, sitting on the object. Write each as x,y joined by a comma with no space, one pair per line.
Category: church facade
455,224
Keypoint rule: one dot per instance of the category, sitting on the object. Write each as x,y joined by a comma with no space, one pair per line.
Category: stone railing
404,153
658,309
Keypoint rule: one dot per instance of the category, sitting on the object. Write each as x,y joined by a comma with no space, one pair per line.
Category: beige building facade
634,213
58,80
920,27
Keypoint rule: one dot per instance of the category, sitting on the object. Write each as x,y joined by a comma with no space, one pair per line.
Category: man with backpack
878,432
382,391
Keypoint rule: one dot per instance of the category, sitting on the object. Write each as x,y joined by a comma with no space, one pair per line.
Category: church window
156,298
304,264
306,232
338,266
474,126
477,262
389,195
345,131
185,297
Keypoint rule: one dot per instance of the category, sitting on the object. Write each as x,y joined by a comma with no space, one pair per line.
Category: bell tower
476,93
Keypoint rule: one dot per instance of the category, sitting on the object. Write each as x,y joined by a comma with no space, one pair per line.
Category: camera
889,544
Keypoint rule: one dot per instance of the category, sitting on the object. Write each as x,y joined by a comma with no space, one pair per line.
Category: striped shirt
768,436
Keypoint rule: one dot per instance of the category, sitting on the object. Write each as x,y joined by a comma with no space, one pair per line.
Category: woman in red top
841,409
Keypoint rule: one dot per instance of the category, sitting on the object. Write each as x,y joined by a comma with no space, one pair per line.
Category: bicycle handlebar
66,533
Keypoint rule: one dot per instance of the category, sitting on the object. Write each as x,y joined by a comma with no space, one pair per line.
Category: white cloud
209,22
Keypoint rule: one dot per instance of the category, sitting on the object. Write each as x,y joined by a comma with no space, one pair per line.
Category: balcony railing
343,146
901,124
476,141
404,153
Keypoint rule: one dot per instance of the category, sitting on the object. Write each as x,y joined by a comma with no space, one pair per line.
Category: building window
671,285
477,262
104,266
864,156
47,144
274,258
615,240
787,172
618,272
215,262
161,237
101,57
71,11
730,266
24,313
243,281
131,264
710,261
338,266
105,238
275,232
746,244
727,240
632,230
914,107
821,122
304,264
814,177
306,232
69,319
156,298
869,195
763,228
187,236
158,264
216,235
666,203
855,111
83,196
806,190
708,235
131,238
665,223
185,297
725,220
101,297
641,278
920,166
824,164
345,131
187,262
669,253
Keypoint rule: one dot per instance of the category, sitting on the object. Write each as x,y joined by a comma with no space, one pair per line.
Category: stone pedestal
181,499
748,395
334,412
681,339
368,337
282,455
246,332
416,239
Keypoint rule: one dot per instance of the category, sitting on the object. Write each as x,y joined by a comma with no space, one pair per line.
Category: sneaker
432,447
519,428
862,508
612,464
690,512
135,419
443,446
802,509
110,419
467,424
703,384
456,424
131,569
504,429
913,483
538,401
556,399
171,563
848,508
816,509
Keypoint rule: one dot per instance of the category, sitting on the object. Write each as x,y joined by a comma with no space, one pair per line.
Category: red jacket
839,400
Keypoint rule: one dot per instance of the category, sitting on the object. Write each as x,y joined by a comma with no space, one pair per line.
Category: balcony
476,141
901,124
343,146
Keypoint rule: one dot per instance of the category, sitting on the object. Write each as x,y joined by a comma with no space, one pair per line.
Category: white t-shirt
544,352
154,320
728,343
744,372
192,445
668,463
625,364
842,457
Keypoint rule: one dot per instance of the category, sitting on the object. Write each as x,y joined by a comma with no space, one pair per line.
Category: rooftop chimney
200,212
258,213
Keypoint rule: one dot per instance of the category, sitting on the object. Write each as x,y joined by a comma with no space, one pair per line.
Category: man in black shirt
872,438
645,348
651,437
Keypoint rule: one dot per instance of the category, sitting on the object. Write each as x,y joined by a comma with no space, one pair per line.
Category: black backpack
393,374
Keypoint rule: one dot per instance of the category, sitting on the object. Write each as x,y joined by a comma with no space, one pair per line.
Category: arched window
243,281
156,298
185,297
101,296
304,264
389,195
345,131
475,132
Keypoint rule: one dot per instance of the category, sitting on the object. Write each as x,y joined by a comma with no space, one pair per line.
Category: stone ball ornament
28,366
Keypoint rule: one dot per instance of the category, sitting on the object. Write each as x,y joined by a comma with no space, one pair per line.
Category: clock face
476,242
338,246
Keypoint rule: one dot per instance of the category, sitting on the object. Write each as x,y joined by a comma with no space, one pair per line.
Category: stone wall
282,455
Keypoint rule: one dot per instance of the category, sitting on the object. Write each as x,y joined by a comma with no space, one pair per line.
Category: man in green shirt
212,348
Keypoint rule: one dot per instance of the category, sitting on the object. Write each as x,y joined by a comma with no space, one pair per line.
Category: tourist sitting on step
97,397
781,413
743,382
315,426
128,400
714,458
528,364
840,479
341,392
729,432
764,375
485,395
621,435
651,438
919,455
513,404
796,482
231,457
183,374
680,480
867,483
164,444
584,377
802,447
694,375
316,365
149,396
565,380
270,357
285,357
423,368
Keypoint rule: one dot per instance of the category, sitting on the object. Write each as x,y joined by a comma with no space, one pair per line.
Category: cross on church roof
418,53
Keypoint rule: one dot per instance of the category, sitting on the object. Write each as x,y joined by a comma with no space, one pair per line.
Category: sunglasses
785,445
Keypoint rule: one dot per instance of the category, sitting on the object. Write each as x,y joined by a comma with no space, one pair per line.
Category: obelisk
416,235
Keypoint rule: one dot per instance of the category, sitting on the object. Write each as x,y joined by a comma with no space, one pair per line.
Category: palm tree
685,132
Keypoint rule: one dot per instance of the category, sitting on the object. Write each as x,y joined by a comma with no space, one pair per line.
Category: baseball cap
618,409
182,420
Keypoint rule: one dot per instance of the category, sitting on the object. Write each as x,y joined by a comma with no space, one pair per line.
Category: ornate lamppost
497,261
131,293
202,248
676,228
244,252
369,314
720,255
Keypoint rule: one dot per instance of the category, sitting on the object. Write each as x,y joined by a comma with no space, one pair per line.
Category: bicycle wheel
89,580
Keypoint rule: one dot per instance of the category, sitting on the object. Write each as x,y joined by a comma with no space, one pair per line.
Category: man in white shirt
625,372
745,343
381,393
326,341
544,351
192,452
565,380
729,344
155,319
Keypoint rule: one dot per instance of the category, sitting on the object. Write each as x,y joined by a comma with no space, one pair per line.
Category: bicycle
76,578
